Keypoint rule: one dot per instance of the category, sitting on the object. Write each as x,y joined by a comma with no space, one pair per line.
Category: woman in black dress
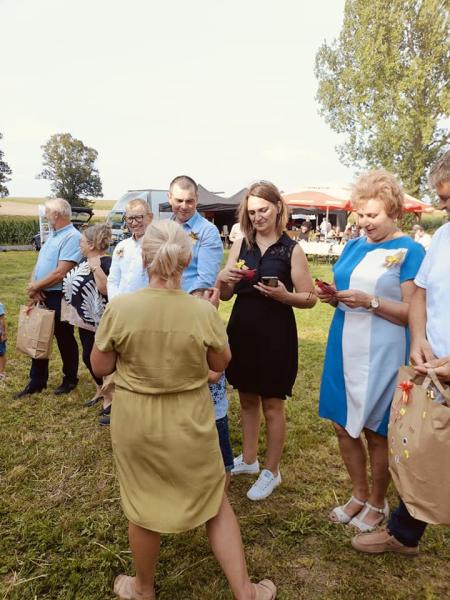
262,330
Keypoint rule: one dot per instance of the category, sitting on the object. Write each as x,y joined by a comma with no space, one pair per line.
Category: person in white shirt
421,236
235,233
127,273
325,227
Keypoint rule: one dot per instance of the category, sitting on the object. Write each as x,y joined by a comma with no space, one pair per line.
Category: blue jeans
224,442
67,345
405,528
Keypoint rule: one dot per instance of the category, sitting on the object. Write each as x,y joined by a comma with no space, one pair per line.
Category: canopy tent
318,200
210,201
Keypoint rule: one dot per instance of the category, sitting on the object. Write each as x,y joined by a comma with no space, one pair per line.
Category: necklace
262,245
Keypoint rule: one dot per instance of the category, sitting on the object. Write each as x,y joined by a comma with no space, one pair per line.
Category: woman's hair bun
166,249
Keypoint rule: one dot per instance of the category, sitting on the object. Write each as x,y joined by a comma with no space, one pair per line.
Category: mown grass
63,533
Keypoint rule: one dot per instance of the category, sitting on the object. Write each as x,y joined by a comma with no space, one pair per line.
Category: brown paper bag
35,331
419,445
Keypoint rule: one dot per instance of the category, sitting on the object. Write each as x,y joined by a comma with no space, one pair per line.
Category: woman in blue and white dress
368,342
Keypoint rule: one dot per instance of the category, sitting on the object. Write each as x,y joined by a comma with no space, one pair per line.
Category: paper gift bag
35,331
419,445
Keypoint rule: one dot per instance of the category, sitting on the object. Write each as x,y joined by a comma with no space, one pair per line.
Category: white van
154,199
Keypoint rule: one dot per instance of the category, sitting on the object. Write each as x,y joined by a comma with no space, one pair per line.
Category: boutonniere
394,259
119,252
194,237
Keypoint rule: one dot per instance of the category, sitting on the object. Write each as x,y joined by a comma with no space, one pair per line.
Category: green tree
4,172
384,84
69,165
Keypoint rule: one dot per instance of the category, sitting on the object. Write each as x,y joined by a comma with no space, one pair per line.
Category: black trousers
87,341
405,528
67,345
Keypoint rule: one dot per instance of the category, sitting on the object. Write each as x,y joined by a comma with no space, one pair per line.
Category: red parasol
339,199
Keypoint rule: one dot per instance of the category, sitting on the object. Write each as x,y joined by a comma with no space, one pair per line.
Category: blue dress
364,351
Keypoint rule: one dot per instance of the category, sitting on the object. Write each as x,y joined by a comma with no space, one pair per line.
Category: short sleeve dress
163,431
262,332
364,351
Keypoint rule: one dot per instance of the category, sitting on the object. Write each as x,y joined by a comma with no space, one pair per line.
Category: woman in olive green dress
161,342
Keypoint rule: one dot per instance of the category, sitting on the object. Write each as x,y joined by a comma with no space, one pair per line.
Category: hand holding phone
325,287
270,280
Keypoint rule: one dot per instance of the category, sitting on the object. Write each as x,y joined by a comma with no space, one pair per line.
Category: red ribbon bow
406,386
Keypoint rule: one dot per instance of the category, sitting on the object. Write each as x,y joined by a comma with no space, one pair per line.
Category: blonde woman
262,329
368,342
163,432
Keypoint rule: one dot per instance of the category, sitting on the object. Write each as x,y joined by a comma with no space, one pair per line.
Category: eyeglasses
136,218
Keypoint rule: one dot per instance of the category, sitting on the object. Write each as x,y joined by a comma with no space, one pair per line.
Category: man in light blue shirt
60,253
207,248
207,254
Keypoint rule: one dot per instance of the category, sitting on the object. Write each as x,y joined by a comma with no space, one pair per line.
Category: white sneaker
264,485
241,467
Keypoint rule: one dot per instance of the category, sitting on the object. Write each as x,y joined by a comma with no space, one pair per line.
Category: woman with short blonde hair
368,342
163,431
380,185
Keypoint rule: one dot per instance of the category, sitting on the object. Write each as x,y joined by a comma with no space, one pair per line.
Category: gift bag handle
432,377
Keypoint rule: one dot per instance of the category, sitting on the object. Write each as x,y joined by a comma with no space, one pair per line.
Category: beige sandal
125,588
265,590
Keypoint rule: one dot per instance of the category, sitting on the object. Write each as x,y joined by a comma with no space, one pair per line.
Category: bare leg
251,420
379,463
354,456
144,546
273,409
225,539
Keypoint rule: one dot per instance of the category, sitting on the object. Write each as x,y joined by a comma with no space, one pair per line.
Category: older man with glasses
127,273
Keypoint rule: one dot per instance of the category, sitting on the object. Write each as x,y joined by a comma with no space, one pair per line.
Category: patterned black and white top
81,294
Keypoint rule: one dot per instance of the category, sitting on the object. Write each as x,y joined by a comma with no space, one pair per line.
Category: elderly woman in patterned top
85,297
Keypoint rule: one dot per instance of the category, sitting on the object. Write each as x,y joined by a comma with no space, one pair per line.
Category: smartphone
325,287
270,280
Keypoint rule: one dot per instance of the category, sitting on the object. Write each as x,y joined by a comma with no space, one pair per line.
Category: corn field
17,230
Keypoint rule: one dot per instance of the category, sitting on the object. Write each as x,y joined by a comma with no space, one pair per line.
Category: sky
222,91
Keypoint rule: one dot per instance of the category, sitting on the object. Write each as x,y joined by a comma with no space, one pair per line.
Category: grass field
63,534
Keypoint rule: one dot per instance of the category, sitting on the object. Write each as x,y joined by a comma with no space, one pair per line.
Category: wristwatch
374,303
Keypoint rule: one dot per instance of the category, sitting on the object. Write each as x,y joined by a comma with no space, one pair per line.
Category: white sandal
358,520
341,515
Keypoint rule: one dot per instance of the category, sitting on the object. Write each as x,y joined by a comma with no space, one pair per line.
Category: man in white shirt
127,273
430,348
